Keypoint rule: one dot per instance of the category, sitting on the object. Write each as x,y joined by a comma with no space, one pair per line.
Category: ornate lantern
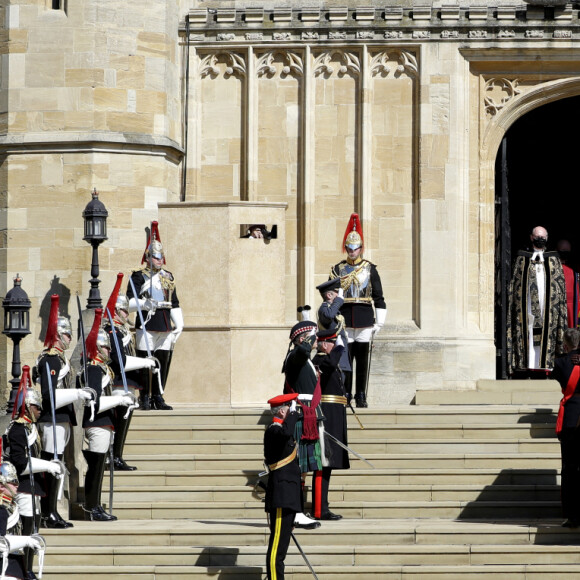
16,326
95,215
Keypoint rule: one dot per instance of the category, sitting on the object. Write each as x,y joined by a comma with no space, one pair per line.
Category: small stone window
258,231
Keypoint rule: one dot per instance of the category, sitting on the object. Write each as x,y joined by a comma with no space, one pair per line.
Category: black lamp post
16,326
95,216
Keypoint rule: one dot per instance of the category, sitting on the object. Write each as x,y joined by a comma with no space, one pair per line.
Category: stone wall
394,112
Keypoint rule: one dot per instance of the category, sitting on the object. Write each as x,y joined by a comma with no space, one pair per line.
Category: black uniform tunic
283,493
161,320
569,439
15,561
332,385
17,436
114,365
56,361
357,313
96,371
284,484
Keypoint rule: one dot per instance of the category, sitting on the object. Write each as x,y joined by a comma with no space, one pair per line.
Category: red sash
568,392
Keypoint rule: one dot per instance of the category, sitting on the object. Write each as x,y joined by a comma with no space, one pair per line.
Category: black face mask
540,243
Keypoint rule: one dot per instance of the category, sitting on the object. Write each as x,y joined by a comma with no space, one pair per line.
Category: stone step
364,447
255,434
488,392
253,462
351,476
349,509
348,493
397,555
413,414
384,572
350,532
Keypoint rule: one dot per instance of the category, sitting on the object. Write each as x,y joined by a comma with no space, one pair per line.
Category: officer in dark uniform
333,403
15,543
118,307
302,378
362,289
283,492
24,452
98,421
156,295
330,317
567,373
53,373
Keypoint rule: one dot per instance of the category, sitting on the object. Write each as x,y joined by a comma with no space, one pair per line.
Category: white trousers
359,334
24,503
62,437
156,340
99,439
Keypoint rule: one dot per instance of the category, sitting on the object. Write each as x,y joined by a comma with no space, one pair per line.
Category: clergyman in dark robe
537,315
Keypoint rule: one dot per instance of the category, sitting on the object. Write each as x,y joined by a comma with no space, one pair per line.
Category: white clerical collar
538,256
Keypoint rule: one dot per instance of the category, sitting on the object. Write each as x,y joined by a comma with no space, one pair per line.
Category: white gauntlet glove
380,316
132,363
176,315
17,543
40,465
63,397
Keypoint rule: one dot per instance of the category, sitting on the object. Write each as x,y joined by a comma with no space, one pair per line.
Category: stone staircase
458,491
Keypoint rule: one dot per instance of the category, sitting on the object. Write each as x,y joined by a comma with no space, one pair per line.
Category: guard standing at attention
155,295
362,288
118,307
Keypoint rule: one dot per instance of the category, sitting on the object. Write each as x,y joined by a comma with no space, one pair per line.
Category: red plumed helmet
20,400
353,235
91,342
111,304
154,245
51,337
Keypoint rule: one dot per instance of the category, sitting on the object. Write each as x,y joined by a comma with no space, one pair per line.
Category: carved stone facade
209,118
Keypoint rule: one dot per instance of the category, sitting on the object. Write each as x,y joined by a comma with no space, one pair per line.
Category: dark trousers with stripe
359,361
320,485
281,524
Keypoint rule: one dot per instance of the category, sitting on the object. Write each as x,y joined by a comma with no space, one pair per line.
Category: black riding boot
121,429
93,486
157,401
50,518
28,556
144,379
361,355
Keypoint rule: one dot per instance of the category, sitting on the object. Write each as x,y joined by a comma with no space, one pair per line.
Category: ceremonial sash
283,462
568,393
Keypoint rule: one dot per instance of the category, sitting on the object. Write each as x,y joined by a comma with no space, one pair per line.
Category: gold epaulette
283,462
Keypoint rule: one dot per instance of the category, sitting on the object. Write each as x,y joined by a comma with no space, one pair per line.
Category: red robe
572,291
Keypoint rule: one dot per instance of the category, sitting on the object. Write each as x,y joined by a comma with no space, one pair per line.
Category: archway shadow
542,423
56,287
525,497
219,560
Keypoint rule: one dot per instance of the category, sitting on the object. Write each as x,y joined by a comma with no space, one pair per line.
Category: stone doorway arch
533,176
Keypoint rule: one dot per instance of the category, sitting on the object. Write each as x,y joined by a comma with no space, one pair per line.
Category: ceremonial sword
303,555
53,416
341,444
147,348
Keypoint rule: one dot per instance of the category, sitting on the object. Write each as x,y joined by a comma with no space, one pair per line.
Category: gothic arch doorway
536,184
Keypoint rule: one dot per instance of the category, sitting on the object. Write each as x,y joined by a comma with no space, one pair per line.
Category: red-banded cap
282,399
